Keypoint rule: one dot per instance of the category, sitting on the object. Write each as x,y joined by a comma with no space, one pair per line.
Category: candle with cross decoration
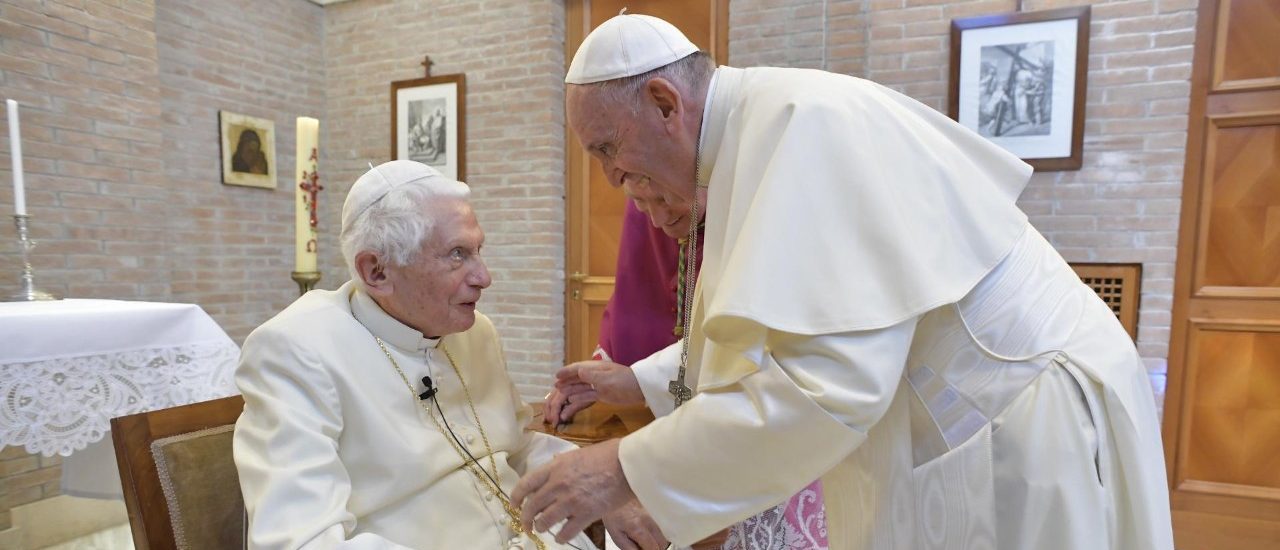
306,189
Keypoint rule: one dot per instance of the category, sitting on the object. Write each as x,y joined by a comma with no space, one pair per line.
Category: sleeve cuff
653,373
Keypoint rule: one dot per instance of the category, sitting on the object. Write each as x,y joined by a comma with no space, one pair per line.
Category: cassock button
488,497
471,439
514,544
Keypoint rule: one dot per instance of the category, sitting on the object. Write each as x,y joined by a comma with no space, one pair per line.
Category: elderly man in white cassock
872,308
381,415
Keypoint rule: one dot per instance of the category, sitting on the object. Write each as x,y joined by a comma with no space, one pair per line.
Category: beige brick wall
86,75
231,247
25,478
1123,205
120,141
512,54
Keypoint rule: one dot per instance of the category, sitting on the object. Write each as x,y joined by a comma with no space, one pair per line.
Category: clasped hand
581,384
577,487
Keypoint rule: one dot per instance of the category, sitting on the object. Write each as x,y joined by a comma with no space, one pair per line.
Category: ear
373,273
666,97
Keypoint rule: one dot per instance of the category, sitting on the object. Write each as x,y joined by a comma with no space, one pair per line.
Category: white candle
15,153
308,136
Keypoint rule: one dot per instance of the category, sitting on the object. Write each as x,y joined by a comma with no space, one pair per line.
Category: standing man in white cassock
872,308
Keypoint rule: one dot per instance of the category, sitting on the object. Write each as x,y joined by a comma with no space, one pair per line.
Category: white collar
386,327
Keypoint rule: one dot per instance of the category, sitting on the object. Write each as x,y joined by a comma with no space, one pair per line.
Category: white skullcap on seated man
380,415
872,308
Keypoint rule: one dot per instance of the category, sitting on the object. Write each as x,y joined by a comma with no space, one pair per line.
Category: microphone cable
472,458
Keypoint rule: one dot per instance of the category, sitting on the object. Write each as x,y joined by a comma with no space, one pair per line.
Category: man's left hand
577,487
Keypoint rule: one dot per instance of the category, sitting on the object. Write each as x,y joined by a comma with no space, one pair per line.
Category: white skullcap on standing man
627,45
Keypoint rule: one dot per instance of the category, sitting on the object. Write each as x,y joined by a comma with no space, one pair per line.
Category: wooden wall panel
1248,53
1222,405
1242,200
1234,413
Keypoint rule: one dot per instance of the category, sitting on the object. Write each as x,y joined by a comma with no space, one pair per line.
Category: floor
115,538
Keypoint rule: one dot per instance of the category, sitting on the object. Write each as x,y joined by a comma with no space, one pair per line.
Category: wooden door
1222,409
593,209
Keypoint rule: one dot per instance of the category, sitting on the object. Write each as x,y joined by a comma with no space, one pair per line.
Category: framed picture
427,122
1019,80
248,150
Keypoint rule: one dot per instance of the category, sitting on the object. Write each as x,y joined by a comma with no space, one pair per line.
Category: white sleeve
734,451
285,446
654,373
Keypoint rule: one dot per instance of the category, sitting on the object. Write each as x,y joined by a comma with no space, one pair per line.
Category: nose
479,276
615,176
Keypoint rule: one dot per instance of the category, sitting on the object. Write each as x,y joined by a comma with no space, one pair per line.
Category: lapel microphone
431,389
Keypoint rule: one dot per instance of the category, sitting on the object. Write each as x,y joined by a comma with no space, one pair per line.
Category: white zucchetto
627,45
379,181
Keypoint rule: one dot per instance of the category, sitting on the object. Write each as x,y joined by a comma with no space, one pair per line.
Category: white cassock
873,305
334,451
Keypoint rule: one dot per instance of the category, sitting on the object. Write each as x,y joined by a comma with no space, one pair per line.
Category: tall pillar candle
15,153
307,188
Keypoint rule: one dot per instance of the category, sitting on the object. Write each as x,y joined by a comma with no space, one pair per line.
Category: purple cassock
641,315
640,319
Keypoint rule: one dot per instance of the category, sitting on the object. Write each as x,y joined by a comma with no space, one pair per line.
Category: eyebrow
612,139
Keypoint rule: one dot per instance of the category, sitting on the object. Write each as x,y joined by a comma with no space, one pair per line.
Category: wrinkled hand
633,529
585,382
577,487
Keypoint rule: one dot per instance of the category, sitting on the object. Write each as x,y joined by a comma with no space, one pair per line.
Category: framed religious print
248,150
1019,80
427,122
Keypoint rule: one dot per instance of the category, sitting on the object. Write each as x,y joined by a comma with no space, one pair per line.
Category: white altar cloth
68,367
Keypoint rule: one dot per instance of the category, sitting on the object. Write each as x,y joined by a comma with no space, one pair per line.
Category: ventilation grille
1117,285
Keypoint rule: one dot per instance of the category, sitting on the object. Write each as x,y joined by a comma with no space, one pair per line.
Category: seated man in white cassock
381,415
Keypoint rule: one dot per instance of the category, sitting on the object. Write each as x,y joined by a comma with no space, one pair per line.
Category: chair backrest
180,484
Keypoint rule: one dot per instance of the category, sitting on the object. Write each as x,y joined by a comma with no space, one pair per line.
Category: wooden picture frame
248,149
1019,80
428,123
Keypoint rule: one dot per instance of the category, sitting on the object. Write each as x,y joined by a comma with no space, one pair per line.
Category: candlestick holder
28,292
306,280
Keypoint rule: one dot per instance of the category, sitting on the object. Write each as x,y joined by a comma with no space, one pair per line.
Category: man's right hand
633,529
580,384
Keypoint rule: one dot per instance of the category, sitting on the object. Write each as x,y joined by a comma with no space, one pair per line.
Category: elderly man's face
637,142
438,291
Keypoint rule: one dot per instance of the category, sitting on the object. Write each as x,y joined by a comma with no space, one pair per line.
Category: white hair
690,74
395,226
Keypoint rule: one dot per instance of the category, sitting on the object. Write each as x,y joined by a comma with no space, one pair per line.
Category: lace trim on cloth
58,406
797,524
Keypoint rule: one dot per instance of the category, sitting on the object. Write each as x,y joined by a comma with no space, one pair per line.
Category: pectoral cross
679,390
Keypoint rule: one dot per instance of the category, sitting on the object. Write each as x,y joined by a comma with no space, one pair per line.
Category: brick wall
1123,205
120,140
86,75
512,54
231,247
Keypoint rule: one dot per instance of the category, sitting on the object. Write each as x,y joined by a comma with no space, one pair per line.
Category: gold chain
476,470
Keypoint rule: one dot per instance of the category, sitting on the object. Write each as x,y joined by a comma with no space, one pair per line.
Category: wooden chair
180,483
